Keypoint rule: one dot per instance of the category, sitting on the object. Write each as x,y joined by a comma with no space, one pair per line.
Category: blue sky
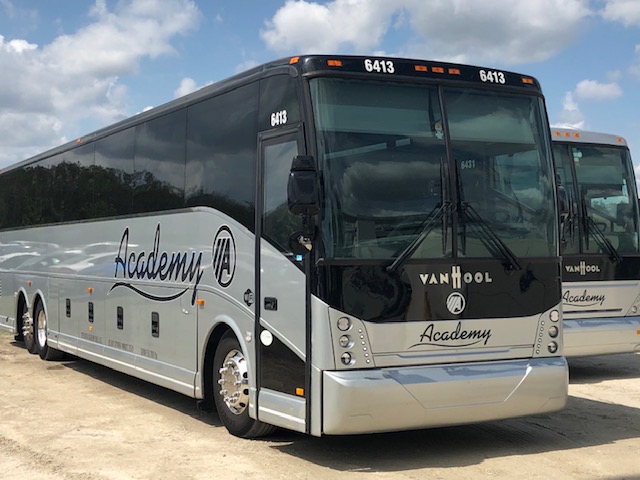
70,67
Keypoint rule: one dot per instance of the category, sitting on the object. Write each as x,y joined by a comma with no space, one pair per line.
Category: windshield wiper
431,220
502,248
602,241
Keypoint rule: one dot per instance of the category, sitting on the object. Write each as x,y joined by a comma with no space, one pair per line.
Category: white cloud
570,116
187,85
593,90
309,27
626,12
505,31
47,90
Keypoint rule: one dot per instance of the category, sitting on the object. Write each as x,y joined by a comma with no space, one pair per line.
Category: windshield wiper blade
432,218
503,249
603,241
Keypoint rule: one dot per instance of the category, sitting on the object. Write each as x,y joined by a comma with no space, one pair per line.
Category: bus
599,243
327,244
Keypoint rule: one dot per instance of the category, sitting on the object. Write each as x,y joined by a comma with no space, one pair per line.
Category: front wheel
231,390
44,350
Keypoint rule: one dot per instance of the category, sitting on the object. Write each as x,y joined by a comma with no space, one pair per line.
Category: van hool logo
582,268
182,267
439,336
224,256
456,278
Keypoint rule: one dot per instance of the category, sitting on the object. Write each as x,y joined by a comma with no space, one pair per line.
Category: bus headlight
345,341
552,347
344,324
346,358
553,332
554,315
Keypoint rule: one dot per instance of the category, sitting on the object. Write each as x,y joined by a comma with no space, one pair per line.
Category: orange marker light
454,71
576,135
334,63
421,68
437,69
293,60
200,302
91,328
528,81
556,133
78,140
29,282
90,289
300,391
620,140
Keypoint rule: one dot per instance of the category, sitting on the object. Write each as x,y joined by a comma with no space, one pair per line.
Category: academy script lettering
181,267
583,299
452,338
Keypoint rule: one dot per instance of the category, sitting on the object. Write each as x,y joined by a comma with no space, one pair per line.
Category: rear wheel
28,330
44,350
231,390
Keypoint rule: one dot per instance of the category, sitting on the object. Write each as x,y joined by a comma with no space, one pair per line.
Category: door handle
270,303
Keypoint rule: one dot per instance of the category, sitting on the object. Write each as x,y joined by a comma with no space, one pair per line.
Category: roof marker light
334,63
454,71
527,80
293,60
420,68
437,69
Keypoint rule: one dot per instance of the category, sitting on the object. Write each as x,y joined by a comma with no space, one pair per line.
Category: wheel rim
234,382
27,325
42,328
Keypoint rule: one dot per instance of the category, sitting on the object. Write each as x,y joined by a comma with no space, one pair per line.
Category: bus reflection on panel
330,244
599,242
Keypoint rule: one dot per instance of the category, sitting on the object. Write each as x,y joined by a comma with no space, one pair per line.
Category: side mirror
302,189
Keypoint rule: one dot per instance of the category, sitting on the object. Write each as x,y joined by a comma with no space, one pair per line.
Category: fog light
345,341
344,324
346,358
552,347
553,331
554,315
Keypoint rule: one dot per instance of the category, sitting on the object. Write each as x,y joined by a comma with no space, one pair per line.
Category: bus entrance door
280,291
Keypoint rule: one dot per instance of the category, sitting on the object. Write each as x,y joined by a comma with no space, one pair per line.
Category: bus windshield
388,150
605,196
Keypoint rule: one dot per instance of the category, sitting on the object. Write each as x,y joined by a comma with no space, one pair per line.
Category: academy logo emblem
456,303
223,259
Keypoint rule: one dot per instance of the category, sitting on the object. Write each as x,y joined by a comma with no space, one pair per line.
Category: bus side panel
8,321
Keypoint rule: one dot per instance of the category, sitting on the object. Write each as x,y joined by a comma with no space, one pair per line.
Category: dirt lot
76,420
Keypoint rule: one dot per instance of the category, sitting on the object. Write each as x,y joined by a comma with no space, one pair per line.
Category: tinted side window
113,176
278,102
221,153
160,163
74,179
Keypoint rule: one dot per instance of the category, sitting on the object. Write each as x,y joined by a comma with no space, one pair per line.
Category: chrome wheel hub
41,328
234,382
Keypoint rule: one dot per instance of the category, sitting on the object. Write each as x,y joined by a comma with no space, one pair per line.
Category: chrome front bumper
389,399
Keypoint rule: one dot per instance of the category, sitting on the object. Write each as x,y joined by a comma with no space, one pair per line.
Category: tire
40,325
231,390
28,330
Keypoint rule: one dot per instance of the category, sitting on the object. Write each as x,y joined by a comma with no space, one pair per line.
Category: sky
70,67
